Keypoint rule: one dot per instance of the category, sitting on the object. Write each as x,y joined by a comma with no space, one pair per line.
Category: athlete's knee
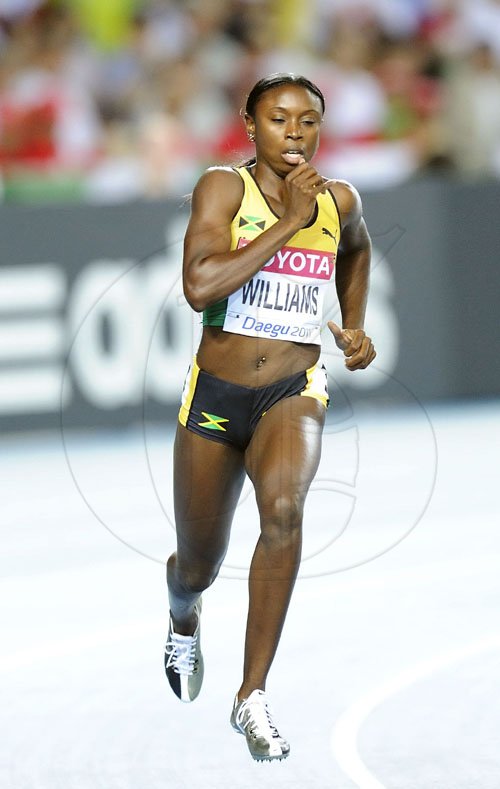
191,578
196,581
281,518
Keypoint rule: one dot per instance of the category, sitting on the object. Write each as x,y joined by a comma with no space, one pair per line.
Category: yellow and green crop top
284,300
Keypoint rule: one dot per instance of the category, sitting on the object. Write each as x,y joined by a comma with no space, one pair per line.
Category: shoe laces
259,720
181,651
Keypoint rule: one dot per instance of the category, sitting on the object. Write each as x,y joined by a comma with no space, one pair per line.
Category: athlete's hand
357,346
302,185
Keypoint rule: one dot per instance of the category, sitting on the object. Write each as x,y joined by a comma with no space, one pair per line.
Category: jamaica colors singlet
284,300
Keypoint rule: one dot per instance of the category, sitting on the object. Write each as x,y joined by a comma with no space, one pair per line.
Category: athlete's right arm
211,270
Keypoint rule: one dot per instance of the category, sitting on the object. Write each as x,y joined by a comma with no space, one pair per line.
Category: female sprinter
261,248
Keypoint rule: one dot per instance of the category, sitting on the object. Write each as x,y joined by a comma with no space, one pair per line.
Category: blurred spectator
150,160
106,23
398,19
11,9
480,22
414,101
473,113
355,102
358,146
185,91
47,119
131,98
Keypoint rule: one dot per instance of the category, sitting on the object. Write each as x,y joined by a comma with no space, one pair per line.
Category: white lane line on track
345,733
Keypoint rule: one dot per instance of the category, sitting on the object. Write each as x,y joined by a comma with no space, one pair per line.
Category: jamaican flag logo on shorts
213,422
252,223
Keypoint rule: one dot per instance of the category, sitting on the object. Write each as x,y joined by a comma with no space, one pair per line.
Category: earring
251,136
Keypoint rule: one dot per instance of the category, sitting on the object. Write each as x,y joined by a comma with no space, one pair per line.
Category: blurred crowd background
115,100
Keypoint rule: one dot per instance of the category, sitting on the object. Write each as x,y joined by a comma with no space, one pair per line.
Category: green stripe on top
215,314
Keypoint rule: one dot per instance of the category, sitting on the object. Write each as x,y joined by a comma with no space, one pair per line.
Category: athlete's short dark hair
275,81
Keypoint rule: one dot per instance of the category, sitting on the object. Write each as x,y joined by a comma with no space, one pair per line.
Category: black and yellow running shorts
229,413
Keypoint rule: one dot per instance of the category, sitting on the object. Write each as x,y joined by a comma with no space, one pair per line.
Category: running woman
263,243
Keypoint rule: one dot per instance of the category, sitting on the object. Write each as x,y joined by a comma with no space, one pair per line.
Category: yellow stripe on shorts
316,385
188,392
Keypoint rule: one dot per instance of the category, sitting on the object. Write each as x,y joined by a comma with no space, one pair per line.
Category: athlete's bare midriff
252,361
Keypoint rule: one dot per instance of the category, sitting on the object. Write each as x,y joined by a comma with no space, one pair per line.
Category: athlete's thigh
208,477
283,455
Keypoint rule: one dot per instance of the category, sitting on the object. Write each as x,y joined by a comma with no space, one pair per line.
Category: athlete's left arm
352,279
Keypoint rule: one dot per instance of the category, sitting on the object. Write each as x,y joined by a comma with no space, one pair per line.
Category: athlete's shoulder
218,175
346,195
219,184
348,200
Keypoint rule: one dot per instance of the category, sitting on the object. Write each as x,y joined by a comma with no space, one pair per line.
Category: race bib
284,300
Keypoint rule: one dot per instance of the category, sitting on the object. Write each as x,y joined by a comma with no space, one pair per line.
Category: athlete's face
286,126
